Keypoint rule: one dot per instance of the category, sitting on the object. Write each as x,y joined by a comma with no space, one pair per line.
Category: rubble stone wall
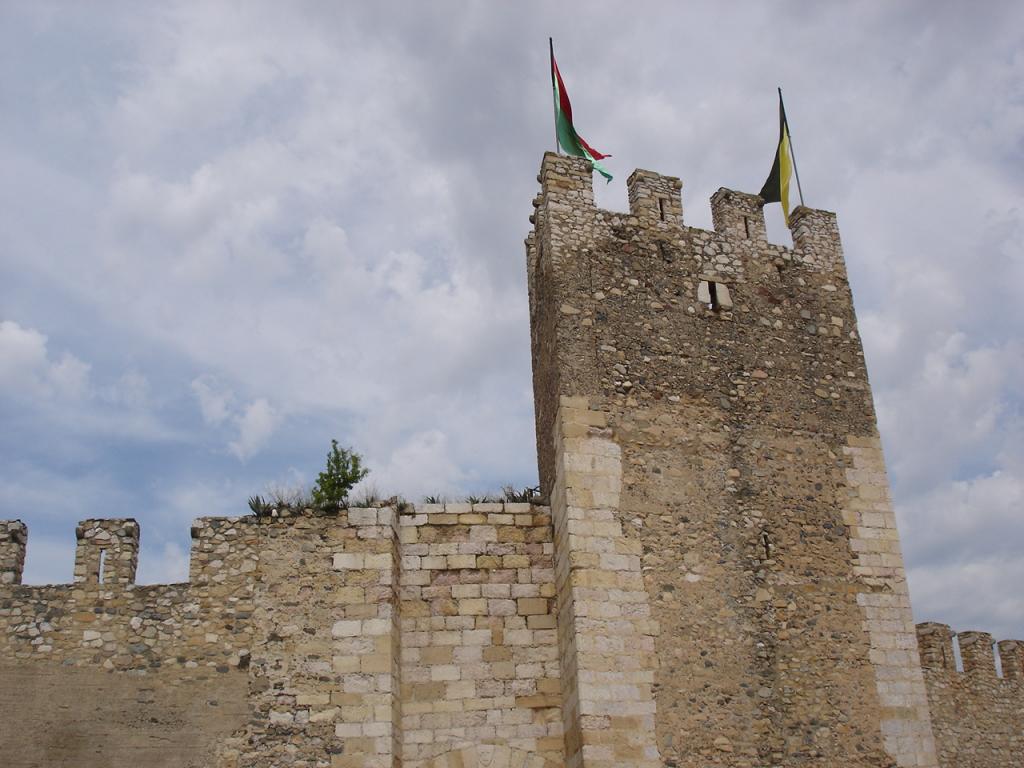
728,374
348,640
161,665
977,714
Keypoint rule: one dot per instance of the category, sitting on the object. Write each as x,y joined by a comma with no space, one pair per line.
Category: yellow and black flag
776,188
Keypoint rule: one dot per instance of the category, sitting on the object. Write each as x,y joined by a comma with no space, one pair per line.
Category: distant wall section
977,716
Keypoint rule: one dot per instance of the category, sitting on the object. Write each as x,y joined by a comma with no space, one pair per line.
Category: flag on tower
776,188
571,142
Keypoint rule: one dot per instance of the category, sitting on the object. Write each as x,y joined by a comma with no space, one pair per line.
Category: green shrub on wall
344,470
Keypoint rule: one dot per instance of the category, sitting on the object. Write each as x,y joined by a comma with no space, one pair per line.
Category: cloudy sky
233,231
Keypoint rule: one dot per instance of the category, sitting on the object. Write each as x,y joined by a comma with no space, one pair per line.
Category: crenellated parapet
654,199
977,712
224,549
935,643
13,537
977,650
738,215
1011,656
347,636
107,551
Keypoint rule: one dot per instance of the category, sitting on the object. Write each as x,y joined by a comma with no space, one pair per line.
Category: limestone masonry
714,578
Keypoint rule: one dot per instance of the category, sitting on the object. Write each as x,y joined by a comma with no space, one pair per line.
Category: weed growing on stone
344,470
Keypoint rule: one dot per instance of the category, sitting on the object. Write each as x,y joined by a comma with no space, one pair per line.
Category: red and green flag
570,141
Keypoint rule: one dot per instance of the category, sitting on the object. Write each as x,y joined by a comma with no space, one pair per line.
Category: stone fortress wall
977,711
715,578
370,637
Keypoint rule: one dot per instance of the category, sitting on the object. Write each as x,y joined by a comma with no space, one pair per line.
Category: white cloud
22,352
255,426
955,406
26,370
60,496
214,401
421,464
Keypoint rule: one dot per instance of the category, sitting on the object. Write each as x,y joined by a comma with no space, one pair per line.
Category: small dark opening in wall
715,296
778,268
661,207
766,543
746,226
103,565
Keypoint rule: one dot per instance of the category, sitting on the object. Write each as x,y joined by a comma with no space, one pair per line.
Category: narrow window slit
661,207
746,226
714,296
767,544
103,564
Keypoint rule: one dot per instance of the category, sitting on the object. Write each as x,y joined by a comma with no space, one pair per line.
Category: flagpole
554,107
792,153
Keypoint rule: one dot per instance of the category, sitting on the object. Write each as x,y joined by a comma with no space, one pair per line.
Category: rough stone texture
726,376
107,551
102,654
12,551
85,716
716,581
977,716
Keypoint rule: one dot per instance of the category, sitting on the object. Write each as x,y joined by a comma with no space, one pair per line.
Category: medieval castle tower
714,578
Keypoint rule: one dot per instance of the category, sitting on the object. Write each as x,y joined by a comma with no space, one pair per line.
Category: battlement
13,536
976,713
655,203
361,631
654,199
977,653
227,548
738,215
107,551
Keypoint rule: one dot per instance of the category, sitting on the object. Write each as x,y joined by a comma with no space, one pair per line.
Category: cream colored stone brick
371,627
460,689
379,561
348,561
346,628
473,607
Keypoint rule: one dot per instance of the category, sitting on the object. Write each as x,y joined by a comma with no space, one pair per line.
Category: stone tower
729,578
